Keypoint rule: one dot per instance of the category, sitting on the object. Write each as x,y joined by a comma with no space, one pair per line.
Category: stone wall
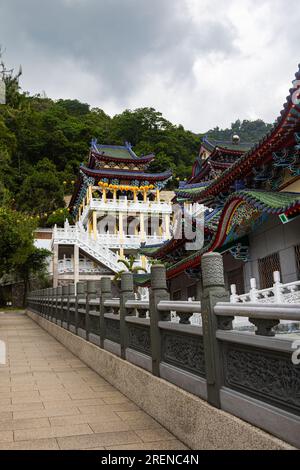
274,237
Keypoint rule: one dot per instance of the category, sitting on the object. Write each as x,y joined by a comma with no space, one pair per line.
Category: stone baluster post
42,302
58,304
48,302
234,298
91,294
79,317
105,295
277,288
41,311
158,292
65,299
253,290
71,293
127,293
213,292
51,309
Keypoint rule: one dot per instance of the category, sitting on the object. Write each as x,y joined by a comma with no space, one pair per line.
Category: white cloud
201,63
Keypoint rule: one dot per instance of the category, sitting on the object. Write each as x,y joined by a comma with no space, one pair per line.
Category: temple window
266,267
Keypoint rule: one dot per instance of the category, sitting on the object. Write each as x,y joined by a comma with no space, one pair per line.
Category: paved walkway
49,399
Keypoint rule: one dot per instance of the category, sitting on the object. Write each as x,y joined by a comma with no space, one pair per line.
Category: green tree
58,217
16,241
19,257
35,265
129,264
41,191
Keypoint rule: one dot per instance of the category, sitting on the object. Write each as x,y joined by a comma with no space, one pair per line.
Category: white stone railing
114,241
96,249
125,205
278,293
66,265
79,236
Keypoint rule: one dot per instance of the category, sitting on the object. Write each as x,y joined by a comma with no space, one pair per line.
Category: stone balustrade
278,293
253,375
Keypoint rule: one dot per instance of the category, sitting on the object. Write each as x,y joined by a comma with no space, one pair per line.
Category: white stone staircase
76,235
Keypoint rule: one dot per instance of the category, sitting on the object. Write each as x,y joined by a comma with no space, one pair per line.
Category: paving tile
102,388
107,417
46,413
28,399
94,440
22,406
6,436
53,431
4,415
38,444
85,394
115,400
53,395
132,415
30,423
162,445
62,404
4,402
49,399
111,426
150,435
88,402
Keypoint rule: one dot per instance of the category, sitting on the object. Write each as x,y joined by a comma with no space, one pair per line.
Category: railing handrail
112,303
138,304
257,310
188,306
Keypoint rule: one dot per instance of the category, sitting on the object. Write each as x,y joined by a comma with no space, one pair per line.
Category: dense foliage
248,131
20,259
43,142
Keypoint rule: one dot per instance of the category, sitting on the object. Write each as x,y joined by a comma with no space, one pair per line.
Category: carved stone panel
139,338
184,351
112,330
95,324
267,375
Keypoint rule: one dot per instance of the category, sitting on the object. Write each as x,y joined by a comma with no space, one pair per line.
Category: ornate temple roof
214,157
237,210
189,189
115,163
225,146
281,135
124,174
242,209
119,153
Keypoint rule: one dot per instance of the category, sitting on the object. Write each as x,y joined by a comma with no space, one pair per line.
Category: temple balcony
125,205
70,234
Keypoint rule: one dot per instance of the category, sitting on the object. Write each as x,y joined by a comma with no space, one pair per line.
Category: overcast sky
202,63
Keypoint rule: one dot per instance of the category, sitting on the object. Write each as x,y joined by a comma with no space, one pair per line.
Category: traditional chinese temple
117,207
252,196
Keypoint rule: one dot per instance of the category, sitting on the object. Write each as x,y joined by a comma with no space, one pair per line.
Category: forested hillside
42,143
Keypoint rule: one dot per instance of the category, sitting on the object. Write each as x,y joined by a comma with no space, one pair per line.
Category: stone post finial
65,290
91,287
105,285
72,289
80,288
212,270
127,282
158,277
